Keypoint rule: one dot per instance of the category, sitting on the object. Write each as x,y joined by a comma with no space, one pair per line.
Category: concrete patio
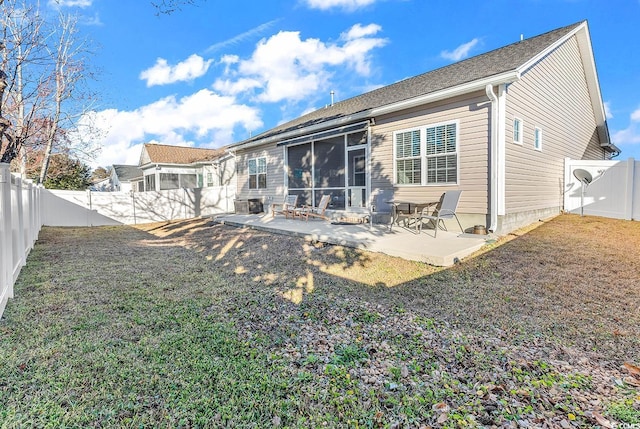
445,250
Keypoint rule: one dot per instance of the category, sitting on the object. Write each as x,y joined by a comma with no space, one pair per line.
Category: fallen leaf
632,381
633,370
606,424
443,418
441,407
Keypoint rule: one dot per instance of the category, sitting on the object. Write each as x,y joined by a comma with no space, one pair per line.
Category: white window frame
420,156
424,157
517,130
257,173
537,138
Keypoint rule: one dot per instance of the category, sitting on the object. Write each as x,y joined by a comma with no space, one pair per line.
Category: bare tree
23,64
45,96
167,7
68,71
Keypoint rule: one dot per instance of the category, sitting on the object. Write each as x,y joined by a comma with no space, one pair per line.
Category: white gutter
493,160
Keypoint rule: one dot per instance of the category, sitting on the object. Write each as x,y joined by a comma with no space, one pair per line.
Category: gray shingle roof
498,61
127,172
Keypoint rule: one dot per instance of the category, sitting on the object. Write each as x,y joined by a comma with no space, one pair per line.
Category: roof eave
477,85
454,91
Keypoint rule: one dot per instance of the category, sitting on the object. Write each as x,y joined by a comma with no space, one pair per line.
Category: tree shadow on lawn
572,279
174,298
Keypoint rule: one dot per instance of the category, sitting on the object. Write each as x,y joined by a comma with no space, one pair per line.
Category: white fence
86,208
20,222
614,191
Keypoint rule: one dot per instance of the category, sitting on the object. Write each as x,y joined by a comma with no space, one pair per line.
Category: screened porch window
316,169
150,182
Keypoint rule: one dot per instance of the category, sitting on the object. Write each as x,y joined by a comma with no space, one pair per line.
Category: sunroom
334,163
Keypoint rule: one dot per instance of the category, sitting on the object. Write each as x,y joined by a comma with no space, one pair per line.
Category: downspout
493,160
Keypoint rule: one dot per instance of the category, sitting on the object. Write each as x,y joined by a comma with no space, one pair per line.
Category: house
497,126
172,167
124,178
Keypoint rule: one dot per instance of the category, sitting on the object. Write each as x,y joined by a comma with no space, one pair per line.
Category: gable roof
126,172
502,65
167,154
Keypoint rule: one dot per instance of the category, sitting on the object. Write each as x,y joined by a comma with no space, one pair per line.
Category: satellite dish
583,176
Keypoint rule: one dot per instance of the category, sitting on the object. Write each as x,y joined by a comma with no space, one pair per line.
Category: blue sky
217,71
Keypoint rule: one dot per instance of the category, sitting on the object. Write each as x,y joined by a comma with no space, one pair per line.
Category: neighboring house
173,167
125,178
497,126
103,185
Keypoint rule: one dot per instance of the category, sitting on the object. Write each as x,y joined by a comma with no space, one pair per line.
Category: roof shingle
167,154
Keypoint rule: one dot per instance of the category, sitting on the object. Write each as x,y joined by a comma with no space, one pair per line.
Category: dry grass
191,324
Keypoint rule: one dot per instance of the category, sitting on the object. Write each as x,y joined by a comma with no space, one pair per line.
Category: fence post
20,235
6,237
628,210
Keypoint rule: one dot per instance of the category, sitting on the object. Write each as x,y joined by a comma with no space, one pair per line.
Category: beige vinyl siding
553,96
275,189
472,113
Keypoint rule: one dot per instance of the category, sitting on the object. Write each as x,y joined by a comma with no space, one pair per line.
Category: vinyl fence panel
20,222
614,190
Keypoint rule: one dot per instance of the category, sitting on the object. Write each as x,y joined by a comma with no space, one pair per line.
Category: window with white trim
517,130
257,173
537,138
428,155
408,160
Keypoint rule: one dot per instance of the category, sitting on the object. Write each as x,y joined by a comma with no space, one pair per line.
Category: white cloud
203,119
460,52
607,110
631,134
285,67
162,73
69,3
358,31
349,5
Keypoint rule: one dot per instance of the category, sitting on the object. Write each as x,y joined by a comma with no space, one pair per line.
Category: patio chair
307,211
287,207
446,209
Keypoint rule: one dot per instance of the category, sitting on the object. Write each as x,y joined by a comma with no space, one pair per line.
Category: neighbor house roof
126,172
167,154
500,65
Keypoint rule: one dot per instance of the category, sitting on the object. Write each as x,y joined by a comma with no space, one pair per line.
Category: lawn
194,324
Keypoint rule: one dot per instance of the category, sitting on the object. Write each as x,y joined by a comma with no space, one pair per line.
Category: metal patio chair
446,209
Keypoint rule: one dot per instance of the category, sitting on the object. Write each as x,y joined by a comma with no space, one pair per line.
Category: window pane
188,181
442,169
253,168
262,181
329,171
253,182
408,144
299,158
169,181
262,165
441,139
409,171
357,139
